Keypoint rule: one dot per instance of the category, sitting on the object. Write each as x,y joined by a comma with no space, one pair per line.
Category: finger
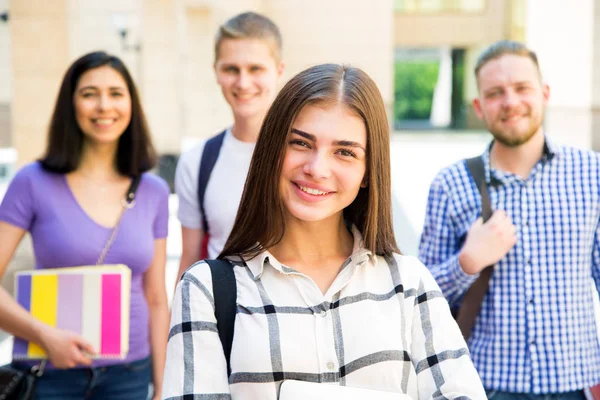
82,359
84,345
506,227
478,222
498,216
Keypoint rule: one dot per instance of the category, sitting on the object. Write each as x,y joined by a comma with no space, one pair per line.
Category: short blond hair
250,25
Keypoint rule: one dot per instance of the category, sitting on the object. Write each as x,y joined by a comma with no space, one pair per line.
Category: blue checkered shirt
536,331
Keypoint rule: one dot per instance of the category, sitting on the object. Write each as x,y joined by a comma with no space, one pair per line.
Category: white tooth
312,191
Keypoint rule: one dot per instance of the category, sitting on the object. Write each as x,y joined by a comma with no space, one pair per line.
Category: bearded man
535,335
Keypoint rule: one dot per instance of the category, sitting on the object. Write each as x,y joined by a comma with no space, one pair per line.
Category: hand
156,396
66,349
487,243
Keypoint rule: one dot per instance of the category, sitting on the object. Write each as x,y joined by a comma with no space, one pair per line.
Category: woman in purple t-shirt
69,201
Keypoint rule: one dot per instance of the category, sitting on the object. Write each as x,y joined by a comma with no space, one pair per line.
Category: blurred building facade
168,46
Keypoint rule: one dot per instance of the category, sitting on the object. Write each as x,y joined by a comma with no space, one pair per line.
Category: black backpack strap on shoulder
210,153
477,171
473,298
225,295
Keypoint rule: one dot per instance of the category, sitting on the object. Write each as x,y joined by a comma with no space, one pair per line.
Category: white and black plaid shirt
383,324
536,332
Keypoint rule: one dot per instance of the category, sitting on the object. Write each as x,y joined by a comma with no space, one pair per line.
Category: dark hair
135,153
250,25
501,48
260,221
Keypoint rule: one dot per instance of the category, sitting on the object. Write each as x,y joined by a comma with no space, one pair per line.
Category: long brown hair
260,222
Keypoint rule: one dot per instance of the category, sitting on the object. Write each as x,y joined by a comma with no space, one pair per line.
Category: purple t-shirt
63,235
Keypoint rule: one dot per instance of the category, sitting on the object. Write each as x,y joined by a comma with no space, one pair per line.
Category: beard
516,136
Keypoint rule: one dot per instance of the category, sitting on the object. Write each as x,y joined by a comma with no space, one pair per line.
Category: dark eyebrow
304,134
95,88
344,143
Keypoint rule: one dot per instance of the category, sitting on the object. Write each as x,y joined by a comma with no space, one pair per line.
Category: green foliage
413,92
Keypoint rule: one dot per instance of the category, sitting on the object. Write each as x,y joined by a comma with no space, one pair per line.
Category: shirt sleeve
186,187
596,259
440,245
18,204
161,221
195,364
440,355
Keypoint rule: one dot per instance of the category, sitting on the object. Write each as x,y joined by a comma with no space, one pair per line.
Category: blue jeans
116,382
497,395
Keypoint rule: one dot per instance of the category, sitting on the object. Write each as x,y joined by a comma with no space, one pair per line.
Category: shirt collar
359,255
549,151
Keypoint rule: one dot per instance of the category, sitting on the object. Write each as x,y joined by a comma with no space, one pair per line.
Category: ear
280,69
215,71
477,107
364,183
546,93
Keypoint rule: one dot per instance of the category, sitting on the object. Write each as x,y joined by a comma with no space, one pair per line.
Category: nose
317,165
243,81
511,99
103,102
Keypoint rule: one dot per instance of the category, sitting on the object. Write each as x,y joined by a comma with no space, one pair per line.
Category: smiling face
102,105
512,99
248,74
324,164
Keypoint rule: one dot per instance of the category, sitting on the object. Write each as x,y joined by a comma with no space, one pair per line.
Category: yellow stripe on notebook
44,292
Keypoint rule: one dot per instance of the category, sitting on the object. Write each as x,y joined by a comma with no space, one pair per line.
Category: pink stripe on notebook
111,314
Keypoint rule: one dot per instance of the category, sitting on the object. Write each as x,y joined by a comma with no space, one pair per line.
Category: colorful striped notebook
92,301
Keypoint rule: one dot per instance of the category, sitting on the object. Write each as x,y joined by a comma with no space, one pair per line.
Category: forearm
450,277
186,261
191,241
159,333
17,321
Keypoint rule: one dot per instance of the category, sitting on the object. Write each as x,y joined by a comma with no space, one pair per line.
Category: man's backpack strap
471,303
477,170
211,151
225,295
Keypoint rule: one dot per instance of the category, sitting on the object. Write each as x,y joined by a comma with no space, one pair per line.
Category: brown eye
347,153
299,142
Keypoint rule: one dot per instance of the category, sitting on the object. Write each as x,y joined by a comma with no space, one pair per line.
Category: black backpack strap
225,294
211,151
477,171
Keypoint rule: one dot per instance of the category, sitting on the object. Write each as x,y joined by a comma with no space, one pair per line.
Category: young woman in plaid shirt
323,294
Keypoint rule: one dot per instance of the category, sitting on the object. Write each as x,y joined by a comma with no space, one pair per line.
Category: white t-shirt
223,191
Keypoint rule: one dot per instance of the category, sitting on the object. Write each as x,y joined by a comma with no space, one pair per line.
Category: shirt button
330,366
323,314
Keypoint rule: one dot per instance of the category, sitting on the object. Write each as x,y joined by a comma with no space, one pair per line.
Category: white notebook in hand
299,390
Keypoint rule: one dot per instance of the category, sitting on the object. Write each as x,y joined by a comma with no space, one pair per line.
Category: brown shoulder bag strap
471,303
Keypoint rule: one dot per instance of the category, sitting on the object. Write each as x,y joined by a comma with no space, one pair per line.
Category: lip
311,198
